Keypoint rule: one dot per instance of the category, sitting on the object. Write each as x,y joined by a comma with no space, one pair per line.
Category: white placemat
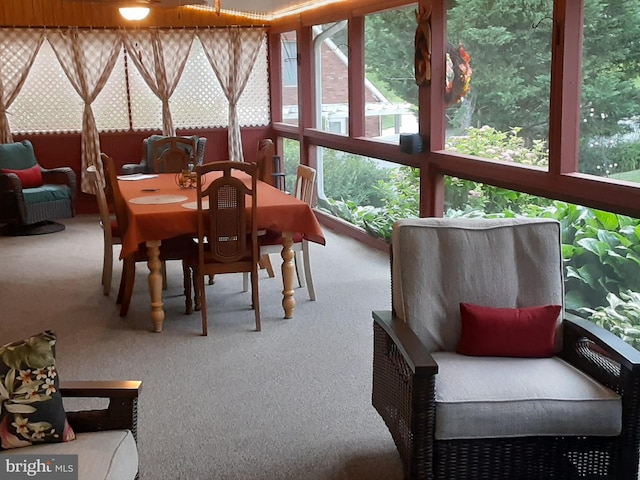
137,176
194,205
158,199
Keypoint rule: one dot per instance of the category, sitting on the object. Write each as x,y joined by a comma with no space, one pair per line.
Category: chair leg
307,270
186,279
245,281
107,269
203,311
265,263
164,275
255,297
121,286
196,295
128,276
211,279
296,260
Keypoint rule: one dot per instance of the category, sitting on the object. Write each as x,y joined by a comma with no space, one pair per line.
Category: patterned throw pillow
31,409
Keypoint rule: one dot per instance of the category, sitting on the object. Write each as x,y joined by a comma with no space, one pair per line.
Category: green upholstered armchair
147,164
29,193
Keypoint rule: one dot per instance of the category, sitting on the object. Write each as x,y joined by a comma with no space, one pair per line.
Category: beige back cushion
438,263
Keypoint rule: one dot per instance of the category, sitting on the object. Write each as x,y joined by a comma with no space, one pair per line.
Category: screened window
48,103
391,93
289,63
498,76
610,103
289,55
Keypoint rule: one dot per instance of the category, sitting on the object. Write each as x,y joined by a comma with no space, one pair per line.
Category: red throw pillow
508,332
29,177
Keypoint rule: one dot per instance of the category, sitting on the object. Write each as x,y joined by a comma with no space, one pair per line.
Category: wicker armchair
147,165
445,410
106,439
29,193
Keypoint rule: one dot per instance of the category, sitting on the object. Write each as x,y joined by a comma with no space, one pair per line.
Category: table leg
288,273
155,284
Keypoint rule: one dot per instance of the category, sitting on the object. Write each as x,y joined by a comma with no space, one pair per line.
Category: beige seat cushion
493,397
109,455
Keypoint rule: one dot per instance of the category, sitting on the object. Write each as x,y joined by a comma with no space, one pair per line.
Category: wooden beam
566,65
356,77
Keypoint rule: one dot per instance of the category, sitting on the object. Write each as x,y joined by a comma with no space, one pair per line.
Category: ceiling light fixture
134,13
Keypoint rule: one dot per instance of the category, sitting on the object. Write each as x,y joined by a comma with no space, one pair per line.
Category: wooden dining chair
174,154
227,234
267,173
170,249
264,160
110,231
271,241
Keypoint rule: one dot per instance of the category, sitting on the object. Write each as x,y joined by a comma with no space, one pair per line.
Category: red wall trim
63,150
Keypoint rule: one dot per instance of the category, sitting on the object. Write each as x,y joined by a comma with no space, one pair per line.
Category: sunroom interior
456,109
333,88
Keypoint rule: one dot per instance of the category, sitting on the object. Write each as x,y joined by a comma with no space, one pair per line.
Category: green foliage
488,142
621,316
352,178
401,192
510,61
601,252
609,157
610,66
509,44
348,178
376,221
389,55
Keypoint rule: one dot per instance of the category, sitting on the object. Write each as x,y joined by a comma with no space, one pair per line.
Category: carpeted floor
290,402
41,228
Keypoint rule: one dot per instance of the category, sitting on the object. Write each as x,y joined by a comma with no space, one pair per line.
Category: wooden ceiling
267,8
282,14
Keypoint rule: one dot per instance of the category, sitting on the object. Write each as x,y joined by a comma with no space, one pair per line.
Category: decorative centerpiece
187,178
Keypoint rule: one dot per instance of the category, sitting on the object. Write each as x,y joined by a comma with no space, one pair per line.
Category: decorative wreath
458,68
459,72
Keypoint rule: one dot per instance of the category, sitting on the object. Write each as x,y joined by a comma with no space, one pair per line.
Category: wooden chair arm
120,414
606,343
418,359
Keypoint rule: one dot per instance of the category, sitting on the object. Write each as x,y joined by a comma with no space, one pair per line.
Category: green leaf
608,220
589,274
594,246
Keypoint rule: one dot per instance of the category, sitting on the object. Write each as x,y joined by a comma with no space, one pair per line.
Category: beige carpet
290,402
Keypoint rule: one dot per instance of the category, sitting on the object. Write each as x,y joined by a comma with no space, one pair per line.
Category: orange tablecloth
276,211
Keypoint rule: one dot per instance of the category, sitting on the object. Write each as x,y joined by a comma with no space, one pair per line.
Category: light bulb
134,13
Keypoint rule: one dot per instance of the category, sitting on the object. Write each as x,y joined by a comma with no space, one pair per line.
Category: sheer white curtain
18,49
160,56
87,58
232,53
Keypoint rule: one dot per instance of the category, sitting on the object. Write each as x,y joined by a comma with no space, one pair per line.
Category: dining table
159,209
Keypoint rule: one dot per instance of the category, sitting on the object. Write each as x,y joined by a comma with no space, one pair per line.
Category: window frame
562,181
